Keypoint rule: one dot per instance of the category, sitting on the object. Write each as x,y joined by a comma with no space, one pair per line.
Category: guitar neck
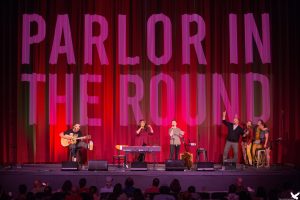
83,137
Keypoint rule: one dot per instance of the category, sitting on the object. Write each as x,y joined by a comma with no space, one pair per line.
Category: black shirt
233,134
68,132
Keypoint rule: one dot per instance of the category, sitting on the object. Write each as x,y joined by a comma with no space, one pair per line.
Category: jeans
141,157
254,147
176,148
246,148
74,147
227,147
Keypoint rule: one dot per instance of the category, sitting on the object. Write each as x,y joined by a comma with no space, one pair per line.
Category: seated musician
143,132
73,138
265,140
256,141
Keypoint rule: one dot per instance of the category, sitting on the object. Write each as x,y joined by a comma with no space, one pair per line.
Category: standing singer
143,131
175,136
234,132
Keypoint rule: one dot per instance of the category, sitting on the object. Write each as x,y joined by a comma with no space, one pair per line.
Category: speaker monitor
69,166
139,166
229,165
97,165
205,166
174,165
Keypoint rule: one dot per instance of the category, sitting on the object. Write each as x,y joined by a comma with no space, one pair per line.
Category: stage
205,181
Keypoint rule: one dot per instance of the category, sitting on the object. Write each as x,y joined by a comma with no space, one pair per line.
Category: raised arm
224,119
150,128
224,115
138,131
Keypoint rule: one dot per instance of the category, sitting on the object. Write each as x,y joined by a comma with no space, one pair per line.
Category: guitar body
66,142
187,157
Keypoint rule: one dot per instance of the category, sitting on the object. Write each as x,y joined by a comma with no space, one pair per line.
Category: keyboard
141,148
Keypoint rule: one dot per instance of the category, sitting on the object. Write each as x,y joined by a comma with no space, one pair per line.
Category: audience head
22,189
239,181
118,188
129,182
30,196
122,196
67,186
37,184
175,186
138,194
261,192
48,190
85,196
232,188
164,189
244,195
108,181
191,189
155,182
93,190
274,194
82,182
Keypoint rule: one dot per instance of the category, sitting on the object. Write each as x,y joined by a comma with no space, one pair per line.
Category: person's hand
171,133
69,136
138,131
224,113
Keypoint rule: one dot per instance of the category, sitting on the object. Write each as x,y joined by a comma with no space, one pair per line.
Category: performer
234,132
256,140
247,143
73,138
142,137
175,135
265,140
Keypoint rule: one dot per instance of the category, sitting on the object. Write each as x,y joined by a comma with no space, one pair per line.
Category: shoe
74,159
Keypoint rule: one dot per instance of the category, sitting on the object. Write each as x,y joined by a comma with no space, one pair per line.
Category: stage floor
217,180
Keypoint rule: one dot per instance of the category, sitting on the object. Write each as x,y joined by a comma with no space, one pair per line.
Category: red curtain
33,137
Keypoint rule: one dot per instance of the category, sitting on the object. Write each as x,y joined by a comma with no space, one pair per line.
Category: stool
119,157
261,157
204,153
78,155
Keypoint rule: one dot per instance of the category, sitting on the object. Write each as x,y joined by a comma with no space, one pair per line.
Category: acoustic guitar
66,142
